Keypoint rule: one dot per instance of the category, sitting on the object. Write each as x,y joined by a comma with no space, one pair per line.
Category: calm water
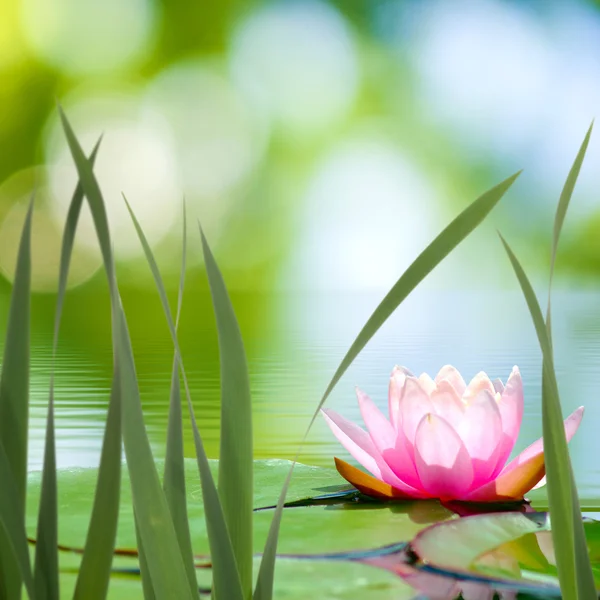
292,359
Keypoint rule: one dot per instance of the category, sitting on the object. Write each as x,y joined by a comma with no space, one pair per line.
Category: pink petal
359,444
447,403
443,463
427,383
391,447
524,472
414,405
481,432
511,411
498,385
572,423
381,430
450,374
480,382
396,391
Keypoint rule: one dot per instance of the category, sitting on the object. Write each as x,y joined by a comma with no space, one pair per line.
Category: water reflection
295,342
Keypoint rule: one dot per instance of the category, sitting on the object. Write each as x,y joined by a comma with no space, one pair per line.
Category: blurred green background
322,145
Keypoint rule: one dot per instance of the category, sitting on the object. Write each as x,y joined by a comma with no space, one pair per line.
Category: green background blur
322,145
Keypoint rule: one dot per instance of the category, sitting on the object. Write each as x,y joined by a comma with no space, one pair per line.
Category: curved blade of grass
226,578
95,570
147,587
94,574
567,531
583,571
441,246
174,477
12,522
561,211
156,526
236,459
46,549
14,396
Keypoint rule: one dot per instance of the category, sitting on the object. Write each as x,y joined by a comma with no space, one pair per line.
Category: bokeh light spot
299,61
88,36
136,158
218,139
46,239
368,212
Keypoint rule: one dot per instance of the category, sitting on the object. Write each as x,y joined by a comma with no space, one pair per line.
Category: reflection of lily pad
309,530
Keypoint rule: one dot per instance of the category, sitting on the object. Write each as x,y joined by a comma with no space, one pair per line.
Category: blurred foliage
322,145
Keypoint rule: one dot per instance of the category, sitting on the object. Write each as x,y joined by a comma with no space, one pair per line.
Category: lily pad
308,533
511,551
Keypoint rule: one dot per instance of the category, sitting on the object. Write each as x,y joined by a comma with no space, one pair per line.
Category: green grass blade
567,531
14,397
147,587
226,579
561,211
93,578
174,477
94,573
236,460
441,246
156,526
583,572
46,549
12,525
565,199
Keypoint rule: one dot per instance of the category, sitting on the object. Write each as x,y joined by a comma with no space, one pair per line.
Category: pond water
294,351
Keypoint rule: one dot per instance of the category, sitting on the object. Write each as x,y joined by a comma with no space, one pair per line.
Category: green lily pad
307,532
514,549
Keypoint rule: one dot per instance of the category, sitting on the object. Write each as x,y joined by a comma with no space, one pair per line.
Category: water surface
295,350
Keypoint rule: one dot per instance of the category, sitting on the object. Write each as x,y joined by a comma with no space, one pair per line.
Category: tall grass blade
567,532
583,572
147,587
226,579
12,522
156,526
93,578
94,573
174,477
561,211
236,460
46,549
14,398
441,246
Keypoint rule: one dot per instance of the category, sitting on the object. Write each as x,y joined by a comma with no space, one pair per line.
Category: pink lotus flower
444,439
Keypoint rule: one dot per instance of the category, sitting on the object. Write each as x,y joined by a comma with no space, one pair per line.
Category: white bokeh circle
136,158
88,36
46,238
299,61
367,213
